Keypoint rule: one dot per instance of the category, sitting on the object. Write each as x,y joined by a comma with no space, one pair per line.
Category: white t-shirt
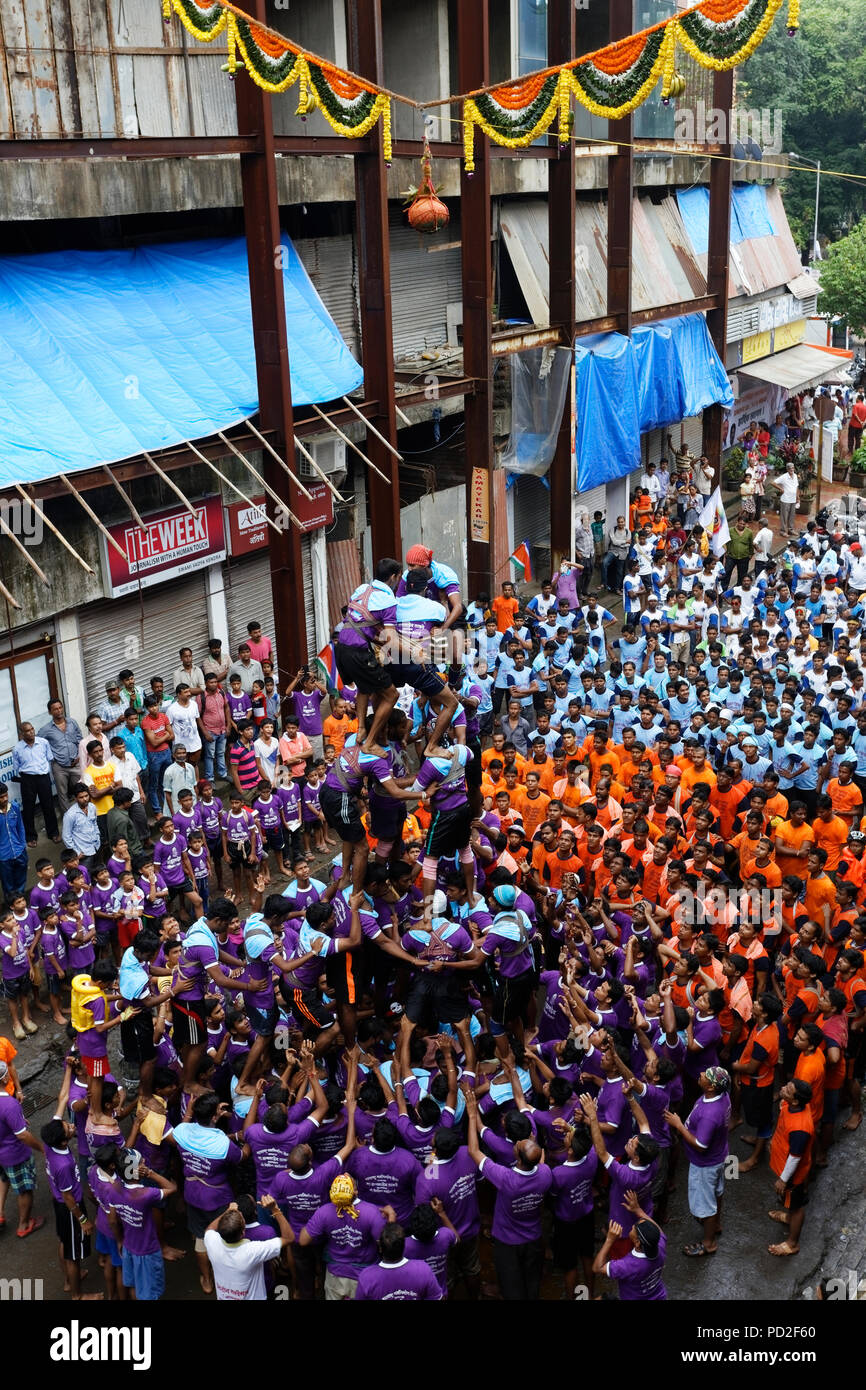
763,543
184,725
238,1270
127,769
788,484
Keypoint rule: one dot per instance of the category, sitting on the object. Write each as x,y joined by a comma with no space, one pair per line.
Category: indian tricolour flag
522,562
327,663
715,522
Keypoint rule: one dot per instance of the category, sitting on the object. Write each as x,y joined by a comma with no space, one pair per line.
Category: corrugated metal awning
803,286
797,367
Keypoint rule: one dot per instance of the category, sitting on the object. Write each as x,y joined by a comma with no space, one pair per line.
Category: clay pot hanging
427,213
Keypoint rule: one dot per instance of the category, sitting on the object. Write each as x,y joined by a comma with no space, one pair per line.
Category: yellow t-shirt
101,780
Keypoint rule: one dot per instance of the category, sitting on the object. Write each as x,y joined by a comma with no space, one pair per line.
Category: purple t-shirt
91,1043
310,799
708,1122
417,1140
355,766
195,957
184,823
572,1187
62,1172
553,1026
40,897
386,1179
380,602
519,1200
613,1110
505,937
53,948
12,1123
350,1244
77,957
155,908
451,795
269,811
134,1205
271,1151
105,1190
625,1177
206,1181
290,798
15,965
207,818
453,1181
167,858
407,1281
308,708
434,1253
101,899
639,1276
708,1032
300,1196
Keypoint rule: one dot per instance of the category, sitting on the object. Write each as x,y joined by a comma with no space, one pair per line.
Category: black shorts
345,976
798,1197
136,1038
262,1021
274,841
215,847
198,1220
473,769
19,988
449,831
573,1240
424,678
176,889
307,1007
439,995
358,666
238,852
386,822
75,1244
511,996
187,1023
340,810
758,1109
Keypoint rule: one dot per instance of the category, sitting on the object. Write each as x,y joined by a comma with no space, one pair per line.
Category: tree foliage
843,280
816,84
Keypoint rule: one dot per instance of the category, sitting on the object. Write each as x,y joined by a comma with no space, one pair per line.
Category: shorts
339,1288
175,890
512,996
358,666
96,1066
706,1186
758,1109
107,1245
386,822
345,976
18,988
449,831
341,812
423,678
127,930
187,1024
438,995
54,984
464,1261
831,1106
145,1274
573,1240
274,841
307,1007
21,1177
262,1021
198,1219
238,852
215,848
796,1198
74,1243
474,770
136,1038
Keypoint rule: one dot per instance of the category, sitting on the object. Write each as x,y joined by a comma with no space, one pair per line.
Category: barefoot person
705,1134
791,1160
367,627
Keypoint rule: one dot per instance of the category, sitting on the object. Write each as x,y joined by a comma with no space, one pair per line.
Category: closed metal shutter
532,523
593,501
330,263
249,596
693,434
145,636
424,281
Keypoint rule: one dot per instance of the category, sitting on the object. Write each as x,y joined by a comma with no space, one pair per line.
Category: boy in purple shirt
131,1219
74,1227
385,1173
705,1134
395,1277
79,935
638,1272
431,1237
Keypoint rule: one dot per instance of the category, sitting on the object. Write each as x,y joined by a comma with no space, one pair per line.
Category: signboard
750,407
14,788
759,345
316,511
789,334
480,512
246,526
168,545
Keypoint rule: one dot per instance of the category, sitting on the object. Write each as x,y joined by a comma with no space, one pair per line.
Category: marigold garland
611,83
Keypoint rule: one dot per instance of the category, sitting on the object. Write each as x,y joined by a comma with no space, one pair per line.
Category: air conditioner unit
330,454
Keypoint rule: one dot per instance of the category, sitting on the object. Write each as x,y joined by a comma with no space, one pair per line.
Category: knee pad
466,855
431,868
383,848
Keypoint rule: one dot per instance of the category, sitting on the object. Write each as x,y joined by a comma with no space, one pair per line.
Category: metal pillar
561,294
718,254
262,225
473,34
620,191
364,19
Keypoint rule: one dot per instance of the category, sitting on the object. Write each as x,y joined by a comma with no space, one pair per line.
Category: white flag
715,523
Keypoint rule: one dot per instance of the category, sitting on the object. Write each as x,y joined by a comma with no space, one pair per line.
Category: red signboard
248,529
169,544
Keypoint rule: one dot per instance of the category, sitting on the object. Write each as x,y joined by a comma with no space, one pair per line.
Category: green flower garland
276,71
346,113
616,90
724,41
204,22
517,125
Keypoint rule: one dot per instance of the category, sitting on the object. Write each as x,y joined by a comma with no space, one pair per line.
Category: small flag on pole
715,523
522,562
327,663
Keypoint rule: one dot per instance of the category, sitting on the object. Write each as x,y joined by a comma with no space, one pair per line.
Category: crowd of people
596,903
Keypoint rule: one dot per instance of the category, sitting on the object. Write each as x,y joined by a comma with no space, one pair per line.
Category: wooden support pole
124,494
50,524
267,298
7,531
170,483
374,282
228,482
352,445
10,599
473,67
718,255
296,482
94,518
373,430
561,292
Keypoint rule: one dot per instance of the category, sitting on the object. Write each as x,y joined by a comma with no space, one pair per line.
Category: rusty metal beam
187,146
364,24
718,255
518,340
700,305
473,69
620,191
262,225
561,216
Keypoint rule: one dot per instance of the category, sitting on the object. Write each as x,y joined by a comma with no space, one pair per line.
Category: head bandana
718,1077
419,555
342,1194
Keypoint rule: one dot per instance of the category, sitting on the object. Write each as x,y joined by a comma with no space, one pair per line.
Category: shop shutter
330,263
309,601
532,522
693,434
144,635
424,281
593,501
249,596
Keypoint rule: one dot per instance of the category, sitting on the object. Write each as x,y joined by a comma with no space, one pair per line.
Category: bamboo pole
166,479
94,518
50,524
314,465
8,597
285,467
124,494
7,530
258,477
250,503
372,428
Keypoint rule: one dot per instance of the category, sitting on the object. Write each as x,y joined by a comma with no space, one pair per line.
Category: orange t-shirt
818,892
691,777
595,764
336,731
8,1053
555,868
797,836
534,812
847,800
812,1067
504,610
745,847
725,805
831,836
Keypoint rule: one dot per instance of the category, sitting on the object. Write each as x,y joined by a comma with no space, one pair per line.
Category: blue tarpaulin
750,215
664,373
104,354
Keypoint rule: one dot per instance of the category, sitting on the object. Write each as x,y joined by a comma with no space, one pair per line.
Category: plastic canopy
104,354
664,373
750,215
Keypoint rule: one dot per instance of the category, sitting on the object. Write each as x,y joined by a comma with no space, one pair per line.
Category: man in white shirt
127,770
702,476
184,717
239,1263
649,480
789,492
857,572
763,543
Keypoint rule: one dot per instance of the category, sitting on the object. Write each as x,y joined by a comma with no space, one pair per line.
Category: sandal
33,1224
697,1250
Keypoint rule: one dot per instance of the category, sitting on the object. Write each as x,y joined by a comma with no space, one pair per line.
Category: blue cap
506,895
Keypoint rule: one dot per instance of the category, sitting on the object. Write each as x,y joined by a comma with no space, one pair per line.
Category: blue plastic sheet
104,354
750,215
664,373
